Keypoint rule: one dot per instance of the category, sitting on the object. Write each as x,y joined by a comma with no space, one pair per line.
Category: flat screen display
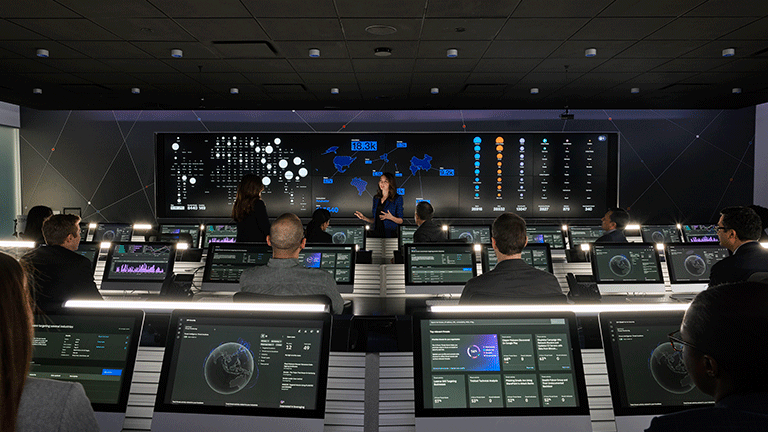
338,260
434,267
538,255
348,234
626,263
660,234
83,231
700,233
219,233
578,235
227,261
113,232
470,234
405,234
692,263
97,349
91,251
546,234
192,229
139,262
534,174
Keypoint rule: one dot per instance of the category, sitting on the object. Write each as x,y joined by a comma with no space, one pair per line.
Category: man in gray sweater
284,274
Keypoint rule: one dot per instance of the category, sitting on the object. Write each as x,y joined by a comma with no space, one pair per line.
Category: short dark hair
620,217
729,323
744,221
509,232
57,227
424,210
286,232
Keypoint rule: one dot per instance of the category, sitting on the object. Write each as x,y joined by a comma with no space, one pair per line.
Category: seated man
738,229
722,339
428,231
614,222
61,274
512,277
284,274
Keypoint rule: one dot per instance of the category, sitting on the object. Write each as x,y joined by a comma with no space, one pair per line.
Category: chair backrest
480,298
761,277
249,297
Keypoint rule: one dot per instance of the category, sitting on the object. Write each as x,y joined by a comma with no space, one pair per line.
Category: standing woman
387,208
35,218
315,233
249,211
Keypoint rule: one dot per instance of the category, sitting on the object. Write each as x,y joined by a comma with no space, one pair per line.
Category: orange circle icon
499,148
498,172
498,187
499,156
498,164
498,179
499,139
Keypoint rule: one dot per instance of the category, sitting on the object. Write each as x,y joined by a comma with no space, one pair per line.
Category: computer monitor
577,235
700,233
538,255
191,229
338,260
91,251
348,234
138,266
499,372
113,232
227,261
627,268
551,234
660,234
647,376
219,233
405,235
438,268
226,370
689,265
470,233
96,348
83,231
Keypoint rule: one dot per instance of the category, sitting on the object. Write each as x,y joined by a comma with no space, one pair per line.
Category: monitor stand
572,423
110,421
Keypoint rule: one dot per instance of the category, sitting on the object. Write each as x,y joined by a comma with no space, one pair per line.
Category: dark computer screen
348,234
91,251
646,374
578,235
546,234
96,349
227,261
700,233
83,231
439,264
113,232
660,234
219,233
626,262
470,234
474,364
692,263
538,255
246,363
338,260
191,229
139,262
405,234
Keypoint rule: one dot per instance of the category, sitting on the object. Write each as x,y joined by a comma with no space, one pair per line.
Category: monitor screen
338,260
348,234
501,365
546,234
227,261
219,233
113,232
538,255
647,376
470,234
91,251
436,268
222,365
691,263
405,234
95,348
142,266
191,229
700,233
625,263
660,234
83,231
578,235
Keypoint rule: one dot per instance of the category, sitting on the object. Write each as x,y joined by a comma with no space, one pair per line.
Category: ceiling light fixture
380,30
135,90
534,90
314,52
635,90
736,90
234,90
590,52
37,90
434,90
177,53
452,53
382,52
42,52
729,52
334,90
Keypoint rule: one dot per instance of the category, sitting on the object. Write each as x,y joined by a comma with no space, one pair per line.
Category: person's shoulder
51,390
709,419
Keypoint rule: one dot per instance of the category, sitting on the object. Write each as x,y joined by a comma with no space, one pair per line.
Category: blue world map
421,164
343,162
360,184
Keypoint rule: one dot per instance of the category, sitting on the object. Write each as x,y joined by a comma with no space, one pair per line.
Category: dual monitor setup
500,371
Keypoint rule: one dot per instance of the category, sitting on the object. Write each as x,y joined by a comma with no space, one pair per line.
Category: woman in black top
315,233
35,218
249,211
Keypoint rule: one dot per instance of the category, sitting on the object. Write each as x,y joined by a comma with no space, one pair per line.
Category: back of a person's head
424,210
35,218
509,232
319,217
744,221
58,227
248,191
762,212
286,232
730,323
15,338
620,217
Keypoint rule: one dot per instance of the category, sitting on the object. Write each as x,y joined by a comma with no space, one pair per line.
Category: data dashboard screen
192,229
348,234
405,234
227,261
537,255
113,232
626,262
534,174
700,233
438,264
578,235
470,234
693,262
338,260
219,233
660,234
139,261
546,234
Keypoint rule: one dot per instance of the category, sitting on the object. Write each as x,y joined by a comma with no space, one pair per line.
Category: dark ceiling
100,49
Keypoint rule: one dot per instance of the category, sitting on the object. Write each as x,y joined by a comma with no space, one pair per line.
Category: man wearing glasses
722,339
738,229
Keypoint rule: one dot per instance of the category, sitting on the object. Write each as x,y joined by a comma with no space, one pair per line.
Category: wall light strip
106,245
17,243
595,308
633,227
141,226
168,306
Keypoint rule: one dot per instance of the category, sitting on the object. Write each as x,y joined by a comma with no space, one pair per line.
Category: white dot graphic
303,172
218,155
258,149
263,160
269,166
183,178
278,140
192,180
283,163
252,143
266,181
297,160
175,146
269,149
289,175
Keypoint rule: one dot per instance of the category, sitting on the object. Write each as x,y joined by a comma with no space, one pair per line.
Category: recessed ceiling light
37,90
736,90
534,90
42,52
334,90
177,53
314,52
382,52
434,90
380,30
135,90
590,52
234,90
452,52
729,52
634,90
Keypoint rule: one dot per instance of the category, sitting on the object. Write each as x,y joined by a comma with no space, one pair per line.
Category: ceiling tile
301,29
660,49
34,9
192,66
139,66
461,29
629,65
291,8
521,49
321,65
56,78
11,31
407,29
575,65
202,8
752,31
67,29
724,8
541,28
145,29
440,78
26,66
113,77
384,78
471,9
380,8
506,65
715,49
699,28
329,78
438,49
236,51
261,65
192,50
223,29
365,49
272,77
112,9
745,65
486,78
219,78
106,50
560,8
664,78
383,65
605,49
600,29
690,65
631,8
166,78
548,79
29,49
80,65
300,49
445,65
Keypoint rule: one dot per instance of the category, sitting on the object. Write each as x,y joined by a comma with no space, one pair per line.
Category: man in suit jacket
512,279
613,223
738,229
61,274
428,231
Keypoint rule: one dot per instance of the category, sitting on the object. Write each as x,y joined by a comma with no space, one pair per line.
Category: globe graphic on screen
108,236
695,265
669,371
229,368
339,238
620,265
467,237
657,237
